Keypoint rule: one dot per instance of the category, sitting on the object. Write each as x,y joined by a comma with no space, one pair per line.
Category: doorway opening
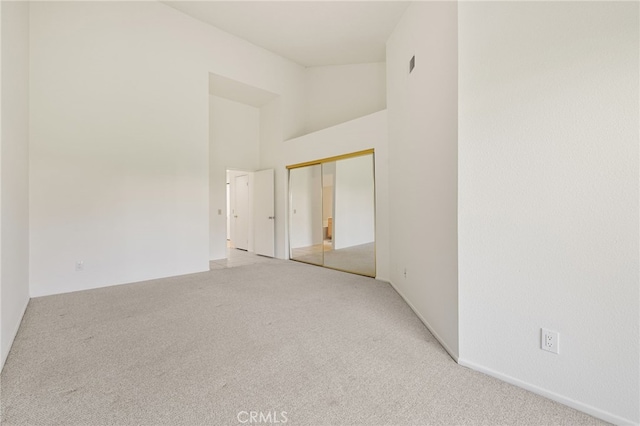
250,211
241,118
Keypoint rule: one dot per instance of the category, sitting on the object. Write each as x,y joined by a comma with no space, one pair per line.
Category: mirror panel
305,213
332,214
352,246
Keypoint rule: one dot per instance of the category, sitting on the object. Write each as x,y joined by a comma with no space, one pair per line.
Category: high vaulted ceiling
310,33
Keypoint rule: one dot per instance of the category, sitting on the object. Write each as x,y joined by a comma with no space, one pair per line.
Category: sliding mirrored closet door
332,213
305,216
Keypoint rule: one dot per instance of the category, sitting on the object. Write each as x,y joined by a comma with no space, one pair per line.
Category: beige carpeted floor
322,346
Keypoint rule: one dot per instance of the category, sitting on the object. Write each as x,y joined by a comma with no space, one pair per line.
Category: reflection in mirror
348,187
332,213
305,226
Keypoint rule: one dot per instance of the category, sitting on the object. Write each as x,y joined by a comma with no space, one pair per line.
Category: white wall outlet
79,265
549,340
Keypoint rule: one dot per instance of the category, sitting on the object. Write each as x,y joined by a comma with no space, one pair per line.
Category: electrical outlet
79,265
549,340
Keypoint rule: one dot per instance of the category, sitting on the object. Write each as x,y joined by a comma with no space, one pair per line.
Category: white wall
234,143
423,110
549,198
14,154
354,219
235,133
356,135
339,93
119,143
271,137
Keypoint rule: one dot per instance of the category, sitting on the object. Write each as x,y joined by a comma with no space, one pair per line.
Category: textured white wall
234,143
549,198
14,156
119,144
339,93
423,156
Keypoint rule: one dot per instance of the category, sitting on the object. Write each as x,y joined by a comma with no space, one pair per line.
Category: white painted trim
15,333
385,279
585,408
451,353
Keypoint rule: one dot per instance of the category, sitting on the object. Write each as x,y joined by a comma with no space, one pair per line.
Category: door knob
272,217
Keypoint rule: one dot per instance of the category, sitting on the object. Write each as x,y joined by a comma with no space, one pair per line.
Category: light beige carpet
323,346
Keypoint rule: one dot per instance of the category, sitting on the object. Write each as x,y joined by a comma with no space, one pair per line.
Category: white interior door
264,213
241,213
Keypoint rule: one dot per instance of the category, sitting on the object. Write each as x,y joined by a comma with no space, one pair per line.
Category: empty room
320,212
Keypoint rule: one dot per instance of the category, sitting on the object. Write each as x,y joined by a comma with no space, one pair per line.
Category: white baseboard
446,347
386,280
585,408
13,335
